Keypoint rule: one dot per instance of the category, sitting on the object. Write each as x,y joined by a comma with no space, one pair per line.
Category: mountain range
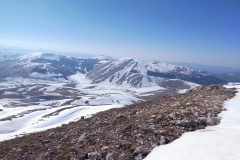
124,71
48,90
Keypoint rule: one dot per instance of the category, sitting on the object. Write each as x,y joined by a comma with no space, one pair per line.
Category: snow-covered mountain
47,90
43,65
127,71
124,71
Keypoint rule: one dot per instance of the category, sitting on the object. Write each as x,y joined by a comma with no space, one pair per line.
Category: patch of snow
54,102
48,88
161,67
21,89
34,122
147,89
51,56
192,85
39,75
8,92
29,56
219,142
181,91
81,80
107,99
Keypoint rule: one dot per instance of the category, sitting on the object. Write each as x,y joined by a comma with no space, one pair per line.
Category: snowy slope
219,142
43,118
43,65
134,73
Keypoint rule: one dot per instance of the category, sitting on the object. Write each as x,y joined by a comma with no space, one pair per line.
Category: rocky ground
126,133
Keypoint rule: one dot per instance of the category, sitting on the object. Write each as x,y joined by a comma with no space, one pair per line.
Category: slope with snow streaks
116,71
124,71
42,65
129,72
168,68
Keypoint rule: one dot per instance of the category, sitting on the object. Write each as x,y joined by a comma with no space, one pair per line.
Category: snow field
38,121
221,142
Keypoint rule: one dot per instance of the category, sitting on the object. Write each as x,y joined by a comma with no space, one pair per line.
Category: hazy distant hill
208,68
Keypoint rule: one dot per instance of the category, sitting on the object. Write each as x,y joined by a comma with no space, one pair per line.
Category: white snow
106,87
18,81
46,75
28,56
192,86
147,89
51,56
107,100
34,122
136,68
49,88
221,142
81,80
8,92
161,67
182,91
34,55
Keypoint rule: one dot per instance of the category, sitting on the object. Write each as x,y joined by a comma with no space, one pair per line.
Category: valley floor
219,142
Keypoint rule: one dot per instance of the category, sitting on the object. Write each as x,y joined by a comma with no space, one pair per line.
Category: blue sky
198,31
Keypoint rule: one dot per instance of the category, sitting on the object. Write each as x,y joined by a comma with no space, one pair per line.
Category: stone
109,156
196,114
162,140
216,120
176,104
153,116
82,137
94,155
51,134
173,115
139,157
138,150
45,141
202,120
105,148
184,123
193,123
211,121
224,109
49,153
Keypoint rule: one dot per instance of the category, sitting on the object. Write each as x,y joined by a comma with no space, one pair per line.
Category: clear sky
198,31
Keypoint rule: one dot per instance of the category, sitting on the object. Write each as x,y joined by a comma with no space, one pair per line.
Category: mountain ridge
67,66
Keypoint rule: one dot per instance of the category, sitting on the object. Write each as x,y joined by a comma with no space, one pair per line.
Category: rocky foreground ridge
125,133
